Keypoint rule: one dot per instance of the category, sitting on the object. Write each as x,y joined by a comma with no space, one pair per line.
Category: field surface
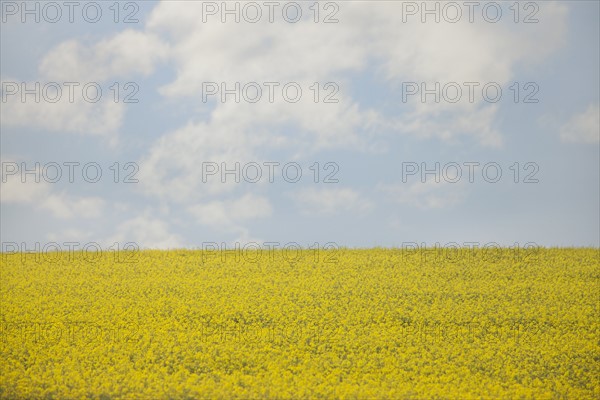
376,324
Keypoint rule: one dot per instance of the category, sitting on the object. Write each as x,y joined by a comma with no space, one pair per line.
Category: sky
180,124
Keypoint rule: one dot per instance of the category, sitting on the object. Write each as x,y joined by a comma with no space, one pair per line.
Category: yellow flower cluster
356,324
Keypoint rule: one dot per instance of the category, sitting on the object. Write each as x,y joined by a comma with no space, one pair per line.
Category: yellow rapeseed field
357,324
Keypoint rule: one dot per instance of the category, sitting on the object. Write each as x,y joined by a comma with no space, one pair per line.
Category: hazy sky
481,127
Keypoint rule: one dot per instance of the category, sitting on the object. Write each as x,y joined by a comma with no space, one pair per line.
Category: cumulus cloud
42,196
62,205
172,169
583,127
72,235
228,214
128,53
368,40
283,52
146,231
56,111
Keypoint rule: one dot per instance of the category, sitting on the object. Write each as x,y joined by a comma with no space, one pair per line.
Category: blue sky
371,134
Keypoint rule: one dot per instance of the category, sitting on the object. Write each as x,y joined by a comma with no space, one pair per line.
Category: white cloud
41,196
173,167
462,51
280,51
128,53
583,127
426,195
445,125
71,235
147,231
368,40
329,201
14,191
103,118
228,214
63,206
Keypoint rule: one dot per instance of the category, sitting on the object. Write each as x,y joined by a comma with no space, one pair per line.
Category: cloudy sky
361,123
